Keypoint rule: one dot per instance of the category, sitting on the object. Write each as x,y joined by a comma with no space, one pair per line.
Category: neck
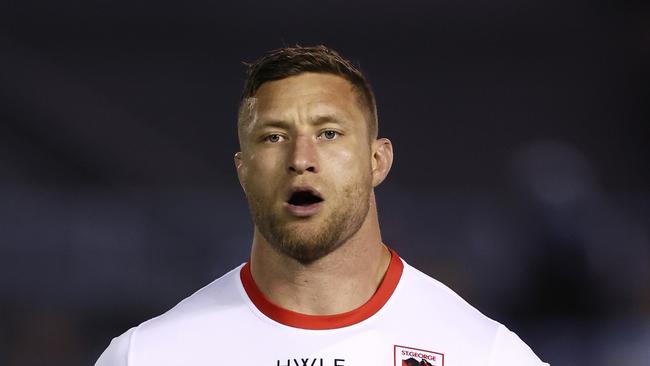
341,281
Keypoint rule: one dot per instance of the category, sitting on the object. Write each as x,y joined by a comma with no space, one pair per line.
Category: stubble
309,239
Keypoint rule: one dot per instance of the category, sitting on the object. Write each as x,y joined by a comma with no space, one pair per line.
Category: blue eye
330,135
274,137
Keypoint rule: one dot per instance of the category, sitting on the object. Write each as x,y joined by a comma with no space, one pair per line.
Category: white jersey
411,319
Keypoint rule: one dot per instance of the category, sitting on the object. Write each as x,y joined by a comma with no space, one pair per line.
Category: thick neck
340,282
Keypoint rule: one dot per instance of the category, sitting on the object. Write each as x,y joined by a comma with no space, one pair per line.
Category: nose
304,157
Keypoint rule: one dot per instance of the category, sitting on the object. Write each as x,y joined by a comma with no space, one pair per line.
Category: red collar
320,322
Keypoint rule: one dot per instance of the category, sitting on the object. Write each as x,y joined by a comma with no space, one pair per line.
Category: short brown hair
291,61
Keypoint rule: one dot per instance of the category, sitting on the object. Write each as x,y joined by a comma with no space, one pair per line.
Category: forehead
308,94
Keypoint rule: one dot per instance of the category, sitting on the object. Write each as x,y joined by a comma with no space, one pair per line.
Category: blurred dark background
521,177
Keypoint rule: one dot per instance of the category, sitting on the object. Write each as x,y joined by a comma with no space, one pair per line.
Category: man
321,288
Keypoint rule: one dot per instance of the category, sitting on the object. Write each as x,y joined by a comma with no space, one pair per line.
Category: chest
242,345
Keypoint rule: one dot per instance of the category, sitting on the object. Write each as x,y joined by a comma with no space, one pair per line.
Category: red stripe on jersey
320,322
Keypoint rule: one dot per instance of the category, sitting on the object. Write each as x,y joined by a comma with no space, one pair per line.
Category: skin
309,129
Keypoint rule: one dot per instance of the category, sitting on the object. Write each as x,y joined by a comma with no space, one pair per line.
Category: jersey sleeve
509,350
117,353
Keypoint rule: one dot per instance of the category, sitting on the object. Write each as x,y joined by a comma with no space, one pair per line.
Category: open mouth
304,202
304,198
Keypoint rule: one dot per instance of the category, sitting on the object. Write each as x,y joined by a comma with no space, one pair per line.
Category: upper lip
304,188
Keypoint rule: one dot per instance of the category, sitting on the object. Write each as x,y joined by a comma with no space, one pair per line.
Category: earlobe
241,170
382,160
238,160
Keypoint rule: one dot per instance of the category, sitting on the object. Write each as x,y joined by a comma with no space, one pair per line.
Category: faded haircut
291,61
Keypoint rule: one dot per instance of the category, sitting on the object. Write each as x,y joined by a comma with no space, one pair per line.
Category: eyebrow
315,121
329,118
277,123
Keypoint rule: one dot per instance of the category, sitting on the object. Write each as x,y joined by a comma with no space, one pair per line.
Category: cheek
264,163
349,151
348,163
263,174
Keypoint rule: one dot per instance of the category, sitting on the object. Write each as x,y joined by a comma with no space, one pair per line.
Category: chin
303,244
306,253
309,239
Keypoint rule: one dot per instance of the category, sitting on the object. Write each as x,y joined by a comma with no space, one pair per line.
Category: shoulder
212,305
117,353
510,350
424,300
441,302
219,295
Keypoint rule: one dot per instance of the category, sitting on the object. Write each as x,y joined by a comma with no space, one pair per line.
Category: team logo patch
408,356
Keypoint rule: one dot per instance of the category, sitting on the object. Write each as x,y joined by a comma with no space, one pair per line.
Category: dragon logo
413,362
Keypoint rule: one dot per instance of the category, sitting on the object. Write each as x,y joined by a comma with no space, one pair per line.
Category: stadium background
521,160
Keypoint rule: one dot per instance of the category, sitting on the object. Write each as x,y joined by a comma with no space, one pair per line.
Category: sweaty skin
249,113
310,131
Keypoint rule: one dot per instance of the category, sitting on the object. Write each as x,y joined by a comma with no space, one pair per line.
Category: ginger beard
309,239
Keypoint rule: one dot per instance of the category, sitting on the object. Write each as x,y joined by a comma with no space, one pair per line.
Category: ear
381,160
241,170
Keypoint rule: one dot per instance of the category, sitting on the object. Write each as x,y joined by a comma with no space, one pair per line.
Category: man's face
305,164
